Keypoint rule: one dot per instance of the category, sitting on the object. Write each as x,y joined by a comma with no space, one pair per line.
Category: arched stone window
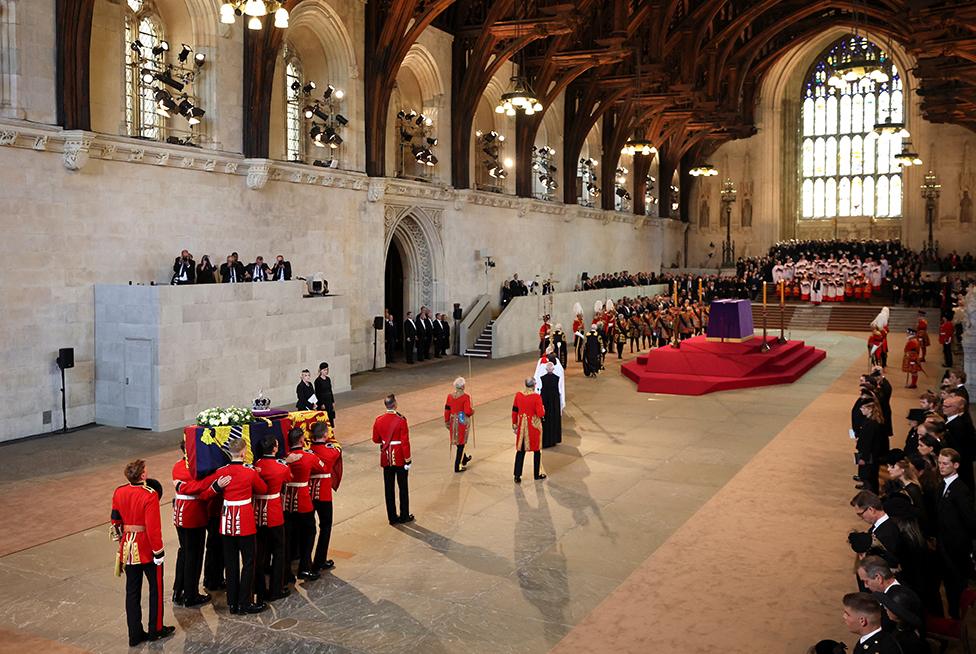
294,118
846,168
142,25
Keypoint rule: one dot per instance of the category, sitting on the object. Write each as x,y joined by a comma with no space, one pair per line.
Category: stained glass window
846,169
141,115
294,132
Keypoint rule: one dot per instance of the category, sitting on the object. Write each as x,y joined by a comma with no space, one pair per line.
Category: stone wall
214,345
82,209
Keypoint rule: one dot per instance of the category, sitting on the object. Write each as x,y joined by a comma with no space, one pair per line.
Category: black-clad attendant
305,391
323,392
409,336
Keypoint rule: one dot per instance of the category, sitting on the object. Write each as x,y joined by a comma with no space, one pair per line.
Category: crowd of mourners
914,561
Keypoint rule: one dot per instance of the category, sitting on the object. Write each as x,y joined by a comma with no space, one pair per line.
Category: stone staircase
482,345
837,317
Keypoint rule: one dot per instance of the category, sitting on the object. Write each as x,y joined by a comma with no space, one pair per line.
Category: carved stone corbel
76,147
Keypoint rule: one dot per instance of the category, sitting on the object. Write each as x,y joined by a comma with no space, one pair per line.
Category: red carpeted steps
700,366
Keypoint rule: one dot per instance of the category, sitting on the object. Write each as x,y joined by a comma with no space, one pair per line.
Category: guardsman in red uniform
578,336
911,364
237,526
190,516
527,413
875,343
544,333
457,416
323,482
391,432
299,510
136,525
270,518
922,331
946,332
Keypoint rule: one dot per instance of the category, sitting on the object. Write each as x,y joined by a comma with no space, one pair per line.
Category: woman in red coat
527,413
457,414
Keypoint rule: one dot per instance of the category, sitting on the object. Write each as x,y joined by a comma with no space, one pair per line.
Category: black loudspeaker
457,311
66,357
585,276
378,322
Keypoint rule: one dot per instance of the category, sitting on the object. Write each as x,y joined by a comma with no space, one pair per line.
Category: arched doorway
394,282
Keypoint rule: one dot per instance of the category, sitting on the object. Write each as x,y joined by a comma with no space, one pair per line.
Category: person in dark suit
409,336
957,382
872,445
305,391
862,615
389,335
184,269
956,529
445,335
206,271
422,334
960,434
257,271
905,619
233,271
869,508
281,272
884,397
437,333
323,392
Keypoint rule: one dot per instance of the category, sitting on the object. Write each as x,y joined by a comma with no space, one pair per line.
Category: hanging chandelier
856,64
638,146
703,170
254,9
891,129
519,97
907,157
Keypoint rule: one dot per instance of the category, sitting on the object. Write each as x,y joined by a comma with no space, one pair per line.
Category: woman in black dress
205,271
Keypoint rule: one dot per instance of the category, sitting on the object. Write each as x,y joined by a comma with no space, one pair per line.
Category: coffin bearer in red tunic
136,525
323,482
190,516
457,417
270,518
391,432
299,510
527,413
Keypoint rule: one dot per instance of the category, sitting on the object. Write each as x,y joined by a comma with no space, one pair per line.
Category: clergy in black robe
558,339
592,353
552,422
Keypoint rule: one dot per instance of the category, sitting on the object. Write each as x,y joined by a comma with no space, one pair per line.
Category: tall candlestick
699,289
764,293
782,293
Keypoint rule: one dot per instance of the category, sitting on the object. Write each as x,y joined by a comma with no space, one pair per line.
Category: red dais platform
700,366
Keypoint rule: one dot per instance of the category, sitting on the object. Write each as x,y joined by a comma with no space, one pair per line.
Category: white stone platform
164,353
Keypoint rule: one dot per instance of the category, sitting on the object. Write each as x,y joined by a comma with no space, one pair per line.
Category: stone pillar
969,340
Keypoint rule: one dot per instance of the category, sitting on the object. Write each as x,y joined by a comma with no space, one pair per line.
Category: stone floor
621,539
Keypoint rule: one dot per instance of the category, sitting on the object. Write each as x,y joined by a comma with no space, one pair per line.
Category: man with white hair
457,417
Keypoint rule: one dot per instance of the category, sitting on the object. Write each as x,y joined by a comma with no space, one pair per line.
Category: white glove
406,467
158,560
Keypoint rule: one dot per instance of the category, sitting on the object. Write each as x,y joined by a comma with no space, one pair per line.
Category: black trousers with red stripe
133,599
239,569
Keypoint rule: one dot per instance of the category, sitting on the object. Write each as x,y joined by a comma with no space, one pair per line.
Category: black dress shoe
542,476
253,608
285,592
165,632
518,480
407,519
860,486
233,609
196,601
177,599
466,459
856,478
139,639
308,575
329,564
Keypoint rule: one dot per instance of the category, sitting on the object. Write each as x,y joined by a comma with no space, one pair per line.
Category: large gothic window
294,123
846,168
142,25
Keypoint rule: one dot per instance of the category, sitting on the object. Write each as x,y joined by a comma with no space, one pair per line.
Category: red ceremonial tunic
135,512
391,432
237,517
922,331
527,413
269,506
454,408
911,361
946,332
544,330
298,498
577,327
190,511
876,339
330,453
